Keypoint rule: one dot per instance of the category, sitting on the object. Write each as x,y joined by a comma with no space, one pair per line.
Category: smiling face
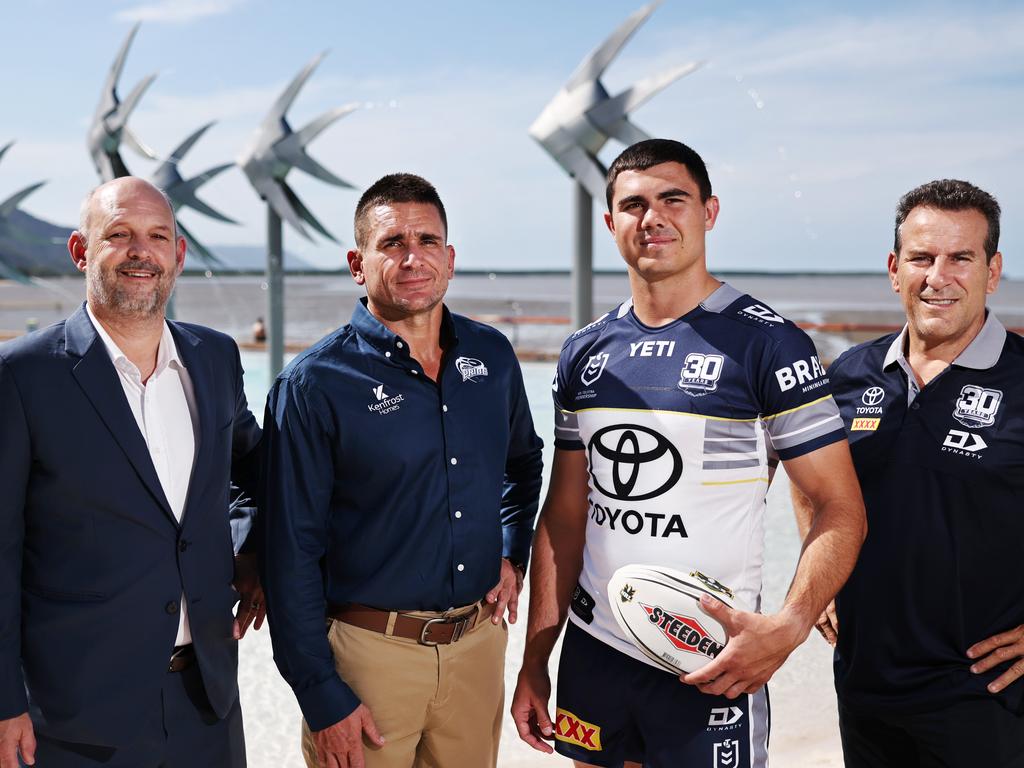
128,250
405,263
942,276
659,221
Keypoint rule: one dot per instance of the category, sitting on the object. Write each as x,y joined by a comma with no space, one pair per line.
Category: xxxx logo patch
572,730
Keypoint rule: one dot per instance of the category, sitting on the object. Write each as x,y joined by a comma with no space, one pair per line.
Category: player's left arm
759,643
999,649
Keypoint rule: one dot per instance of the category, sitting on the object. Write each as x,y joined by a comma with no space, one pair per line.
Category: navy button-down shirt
389,489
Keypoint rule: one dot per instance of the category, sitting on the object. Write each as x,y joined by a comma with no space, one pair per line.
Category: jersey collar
981,354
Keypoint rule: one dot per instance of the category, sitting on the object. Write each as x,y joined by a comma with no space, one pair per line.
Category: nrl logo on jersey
977,407
594,368
762,313
470,368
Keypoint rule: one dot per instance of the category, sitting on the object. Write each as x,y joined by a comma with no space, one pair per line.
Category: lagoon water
804,725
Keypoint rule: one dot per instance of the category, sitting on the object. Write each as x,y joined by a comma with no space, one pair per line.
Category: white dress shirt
165,410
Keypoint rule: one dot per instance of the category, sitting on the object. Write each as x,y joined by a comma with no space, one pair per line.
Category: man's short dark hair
951,195
396,188
651,152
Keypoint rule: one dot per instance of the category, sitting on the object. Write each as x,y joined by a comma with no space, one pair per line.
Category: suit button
171,608
183,545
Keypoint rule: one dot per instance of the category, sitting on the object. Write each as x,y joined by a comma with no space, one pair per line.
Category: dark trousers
184,733
970,734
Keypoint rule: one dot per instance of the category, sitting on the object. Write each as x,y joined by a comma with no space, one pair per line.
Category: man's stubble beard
103,286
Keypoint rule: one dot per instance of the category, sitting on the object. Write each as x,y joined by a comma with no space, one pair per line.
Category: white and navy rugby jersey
680,424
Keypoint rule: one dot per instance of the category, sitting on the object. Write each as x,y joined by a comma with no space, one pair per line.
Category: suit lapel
200,371
96,375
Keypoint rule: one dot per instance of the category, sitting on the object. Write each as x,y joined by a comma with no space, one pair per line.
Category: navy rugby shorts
612,708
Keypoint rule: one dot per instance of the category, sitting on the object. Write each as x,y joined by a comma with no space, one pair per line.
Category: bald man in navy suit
121,433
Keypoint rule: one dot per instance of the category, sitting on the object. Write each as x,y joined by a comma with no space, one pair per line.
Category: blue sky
813,117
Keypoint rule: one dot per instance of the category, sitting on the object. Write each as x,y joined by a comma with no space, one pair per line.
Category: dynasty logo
684,632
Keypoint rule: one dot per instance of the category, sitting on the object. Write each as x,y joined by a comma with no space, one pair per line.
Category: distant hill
246,258
43,251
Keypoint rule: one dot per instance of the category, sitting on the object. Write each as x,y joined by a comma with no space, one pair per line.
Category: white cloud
177,11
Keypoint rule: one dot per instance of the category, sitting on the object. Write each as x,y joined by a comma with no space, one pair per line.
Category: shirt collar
166,355
385,340
981,354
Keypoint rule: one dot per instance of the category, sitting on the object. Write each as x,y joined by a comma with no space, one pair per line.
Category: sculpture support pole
275,294
583,258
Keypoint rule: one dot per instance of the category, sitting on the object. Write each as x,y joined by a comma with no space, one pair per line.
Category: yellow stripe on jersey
670,413
735,482
798,408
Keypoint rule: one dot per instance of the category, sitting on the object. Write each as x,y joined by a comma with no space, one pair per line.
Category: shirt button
454,460
387,354
171,608
414,371
444,408
398,344
458,513
462,567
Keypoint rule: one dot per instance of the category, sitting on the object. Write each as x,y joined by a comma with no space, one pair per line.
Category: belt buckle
460,628
426,625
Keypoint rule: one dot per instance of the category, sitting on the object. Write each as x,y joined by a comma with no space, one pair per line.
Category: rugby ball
658,609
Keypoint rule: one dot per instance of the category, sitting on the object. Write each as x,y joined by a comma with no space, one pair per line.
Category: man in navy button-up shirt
403,471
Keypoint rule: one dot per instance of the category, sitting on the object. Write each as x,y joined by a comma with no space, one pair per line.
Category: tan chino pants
436,706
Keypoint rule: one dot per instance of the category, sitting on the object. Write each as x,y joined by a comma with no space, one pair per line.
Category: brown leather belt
435,629
183,657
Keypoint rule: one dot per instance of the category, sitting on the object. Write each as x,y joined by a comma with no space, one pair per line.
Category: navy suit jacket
92,561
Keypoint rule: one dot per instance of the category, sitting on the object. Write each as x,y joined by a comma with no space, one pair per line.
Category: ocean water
804,725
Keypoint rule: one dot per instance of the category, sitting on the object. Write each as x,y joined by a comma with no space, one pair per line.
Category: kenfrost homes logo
977,407
594,368
963,444
761,312
385,403
470,368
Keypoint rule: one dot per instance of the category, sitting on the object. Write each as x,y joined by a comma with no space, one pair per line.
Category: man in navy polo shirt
931,623
403,472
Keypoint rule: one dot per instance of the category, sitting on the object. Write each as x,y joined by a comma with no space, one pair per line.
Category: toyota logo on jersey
632,463
872,396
